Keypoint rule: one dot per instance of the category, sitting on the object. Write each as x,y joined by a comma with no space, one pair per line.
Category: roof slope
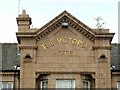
10,56
115,56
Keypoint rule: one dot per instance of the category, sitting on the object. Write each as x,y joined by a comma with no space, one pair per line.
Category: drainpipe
14,80
18,79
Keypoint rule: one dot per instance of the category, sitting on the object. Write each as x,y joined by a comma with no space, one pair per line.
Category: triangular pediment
58,21
73,22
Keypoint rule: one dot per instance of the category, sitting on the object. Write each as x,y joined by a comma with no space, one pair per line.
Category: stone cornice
101,47
8,73
116,73
27,47
104,35
64,72
23,19
25,35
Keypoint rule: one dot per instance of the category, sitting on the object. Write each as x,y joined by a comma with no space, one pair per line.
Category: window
118,85
86,84
6,85
65,84
44,84
0,85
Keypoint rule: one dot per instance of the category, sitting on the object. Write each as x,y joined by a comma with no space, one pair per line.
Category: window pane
0,85
118,85
86,84
44,84
65,84
10,85
5,85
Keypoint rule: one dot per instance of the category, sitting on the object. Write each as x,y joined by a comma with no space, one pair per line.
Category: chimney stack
24,22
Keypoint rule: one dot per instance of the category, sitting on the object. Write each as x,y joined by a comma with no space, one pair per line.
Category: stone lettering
44,47
65,53
59,40
74,41
65,40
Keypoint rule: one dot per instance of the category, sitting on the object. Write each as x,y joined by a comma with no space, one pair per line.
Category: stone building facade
65,53
9,75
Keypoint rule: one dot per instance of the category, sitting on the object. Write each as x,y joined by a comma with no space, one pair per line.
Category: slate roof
10,57
115,56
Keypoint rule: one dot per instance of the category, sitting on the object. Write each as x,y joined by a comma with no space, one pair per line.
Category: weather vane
99,23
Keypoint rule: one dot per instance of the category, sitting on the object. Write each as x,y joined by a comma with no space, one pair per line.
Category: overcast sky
42,11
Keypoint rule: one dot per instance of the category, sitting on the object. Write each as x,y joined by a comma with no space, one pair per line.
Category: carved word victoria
64,40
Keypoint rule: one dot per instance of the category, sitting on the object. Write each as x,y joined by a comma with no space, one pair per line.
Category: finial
24,12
